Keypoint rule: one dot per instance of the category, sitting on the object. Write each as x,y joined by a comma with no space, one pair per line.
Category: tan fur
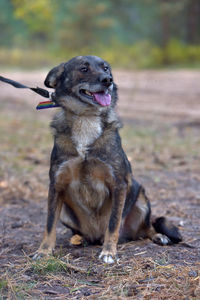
111,239
68,171
49,239
93,212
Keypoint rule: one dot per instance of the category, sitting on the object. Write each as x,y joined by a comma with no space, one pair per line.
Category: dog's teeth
88,93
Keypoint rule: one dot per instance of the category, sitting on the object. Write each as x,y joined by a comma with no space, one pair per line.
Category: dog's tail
163,226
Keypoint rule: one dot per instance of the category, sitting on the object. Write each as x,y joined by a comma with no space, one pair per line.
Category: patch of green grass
50,265
163,261
3,284
3,288
15,287
22,289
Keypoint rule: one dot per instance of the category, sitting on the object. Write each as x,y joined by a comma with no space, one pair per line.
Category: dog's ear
54,75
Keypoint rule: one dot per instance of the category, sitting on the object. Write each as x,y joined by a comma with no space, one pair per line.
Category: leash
42,92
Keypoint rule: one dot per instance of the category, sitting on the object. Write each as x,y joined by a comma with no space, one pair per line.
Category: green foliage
86,23
25,58
146,55
177,53
193,53
131,34
36,14
136,56
139,55
11,28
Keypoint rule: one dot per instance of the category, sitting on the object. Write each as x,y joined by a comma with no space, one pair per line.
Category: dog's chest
85,130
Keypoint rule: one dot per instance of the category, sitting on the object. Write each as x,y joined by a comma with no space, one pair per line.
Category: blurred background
149,33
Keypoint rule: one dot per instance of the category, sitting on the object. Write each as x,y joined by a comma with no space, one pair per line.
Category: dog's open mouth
102,98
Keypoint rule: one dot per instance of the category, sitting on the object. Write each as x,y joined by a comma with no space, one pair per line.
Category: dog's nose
106,80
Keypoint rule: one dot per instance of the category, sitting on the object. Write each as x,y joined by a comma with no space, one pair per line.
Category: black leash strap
40,91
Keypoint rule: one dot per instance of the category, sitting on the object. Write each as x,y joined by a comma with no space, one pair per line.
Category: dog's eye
84,69
105,69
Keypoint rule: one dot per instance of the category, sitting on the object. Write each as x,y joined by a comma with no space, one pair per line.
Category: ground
160,111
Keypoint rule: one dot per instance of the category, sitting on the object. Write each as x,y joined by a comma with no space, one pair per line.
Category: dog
92,189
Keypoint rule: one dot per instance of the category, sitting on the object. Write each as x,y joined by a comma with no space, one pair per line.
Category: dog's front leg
109,250
49,239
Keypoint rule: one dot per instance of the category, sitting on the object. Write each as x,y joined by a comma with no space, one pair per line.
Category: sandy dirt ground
161,115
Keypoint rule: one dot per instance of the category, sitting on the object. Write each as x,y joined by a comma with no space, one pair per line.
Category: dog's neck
84,132
84,129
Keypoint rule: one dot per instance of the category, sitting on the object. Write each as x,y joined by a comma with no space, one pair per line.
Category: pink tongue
102,98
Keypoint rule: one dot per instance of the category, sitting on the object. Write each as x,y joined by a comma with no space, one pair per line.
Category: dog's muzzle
102,97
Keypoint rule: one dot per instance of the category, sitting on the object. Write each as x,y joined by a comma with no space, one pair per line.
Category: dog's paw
39,254
161,239
108,257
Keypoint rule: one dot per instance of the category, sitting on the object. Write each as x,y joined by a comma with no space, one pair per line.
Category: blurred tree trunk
165,28
165,23
193,21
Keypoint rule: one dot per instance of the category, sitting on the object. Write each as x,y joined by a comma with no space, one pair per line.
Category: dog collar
42,92
47,104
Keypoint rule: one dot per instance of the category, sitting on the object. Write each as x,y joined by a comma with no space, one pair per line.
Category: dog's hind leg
49,239
166,233
137,224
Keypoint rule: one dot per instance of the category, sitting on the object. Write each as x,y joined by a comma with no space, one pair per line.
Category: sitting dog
92,189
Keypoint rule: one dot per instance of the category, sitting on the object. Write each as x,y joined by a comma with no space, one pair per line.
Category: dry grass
137,278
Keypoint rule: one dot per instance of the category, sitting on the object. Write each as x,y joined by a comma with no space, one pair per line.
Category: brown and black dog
92,189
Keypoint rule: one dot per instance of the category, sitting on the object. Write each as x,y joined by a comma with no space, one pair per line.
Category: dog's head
84,83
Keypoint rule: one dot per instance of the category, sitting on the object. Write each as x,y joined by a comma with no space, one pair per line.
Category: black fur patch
50,220
162,226
131,197
72,215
